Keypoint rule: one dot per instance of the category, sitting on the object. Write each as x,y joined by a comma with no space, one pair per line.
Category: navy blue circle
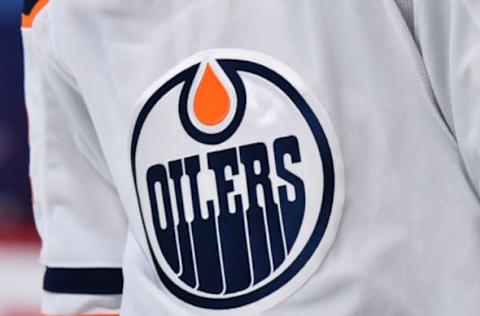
325,208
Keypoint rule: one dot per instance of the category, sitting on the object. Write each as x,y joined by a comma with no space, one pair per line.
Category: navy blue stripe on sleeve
96,281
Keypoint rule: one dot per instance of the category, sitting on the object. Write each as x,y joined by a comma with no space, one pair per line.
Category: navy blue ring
327,199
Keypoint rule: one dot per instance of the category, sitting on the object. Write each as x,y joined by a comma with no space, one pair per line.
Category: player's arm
448,33
76,207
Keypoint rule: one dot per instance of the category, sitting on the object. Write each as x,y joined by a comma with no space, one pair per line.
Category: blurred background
20,273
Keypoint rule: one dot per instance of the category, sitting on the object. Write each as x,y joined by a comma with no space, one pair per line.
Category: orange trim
27,20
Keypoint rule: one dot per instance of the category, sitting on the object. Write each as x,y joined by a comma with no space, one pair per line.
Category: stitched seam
420,70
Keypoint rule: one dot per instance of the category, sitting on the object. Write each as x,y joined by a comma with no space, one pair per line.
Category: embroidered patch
239,180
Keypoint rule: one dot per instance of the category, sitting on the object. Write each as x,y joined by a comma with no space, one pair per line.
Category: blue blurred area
14,184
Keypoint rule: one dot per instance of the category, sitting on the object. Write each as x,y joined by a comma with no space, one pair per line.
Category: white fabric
408,241
67,304
77,211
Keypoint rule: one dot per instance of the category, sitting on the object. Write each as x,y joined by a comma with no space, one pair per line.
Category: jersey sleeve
77,209
448,33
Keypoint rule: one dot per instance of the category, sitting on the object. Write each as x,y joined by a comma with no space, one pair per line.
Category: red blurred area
20,270
21,312
18,234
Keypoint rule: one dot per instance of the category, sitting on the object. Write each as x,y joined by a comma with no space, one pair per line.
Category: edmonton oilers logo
239,180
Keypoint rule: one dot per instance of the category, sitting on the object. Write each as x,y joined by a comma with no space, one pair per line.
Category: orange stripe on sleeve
27,20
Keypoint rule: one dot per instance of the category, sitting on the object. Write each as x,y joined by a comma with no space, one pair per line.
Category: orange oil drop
212,102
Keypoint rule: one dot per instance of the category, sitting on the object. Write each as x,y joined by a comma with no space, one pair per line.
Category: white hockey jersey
217,157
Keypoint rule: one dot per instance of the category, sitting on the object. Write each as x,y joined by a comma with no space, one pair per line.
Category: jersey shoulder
31,8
